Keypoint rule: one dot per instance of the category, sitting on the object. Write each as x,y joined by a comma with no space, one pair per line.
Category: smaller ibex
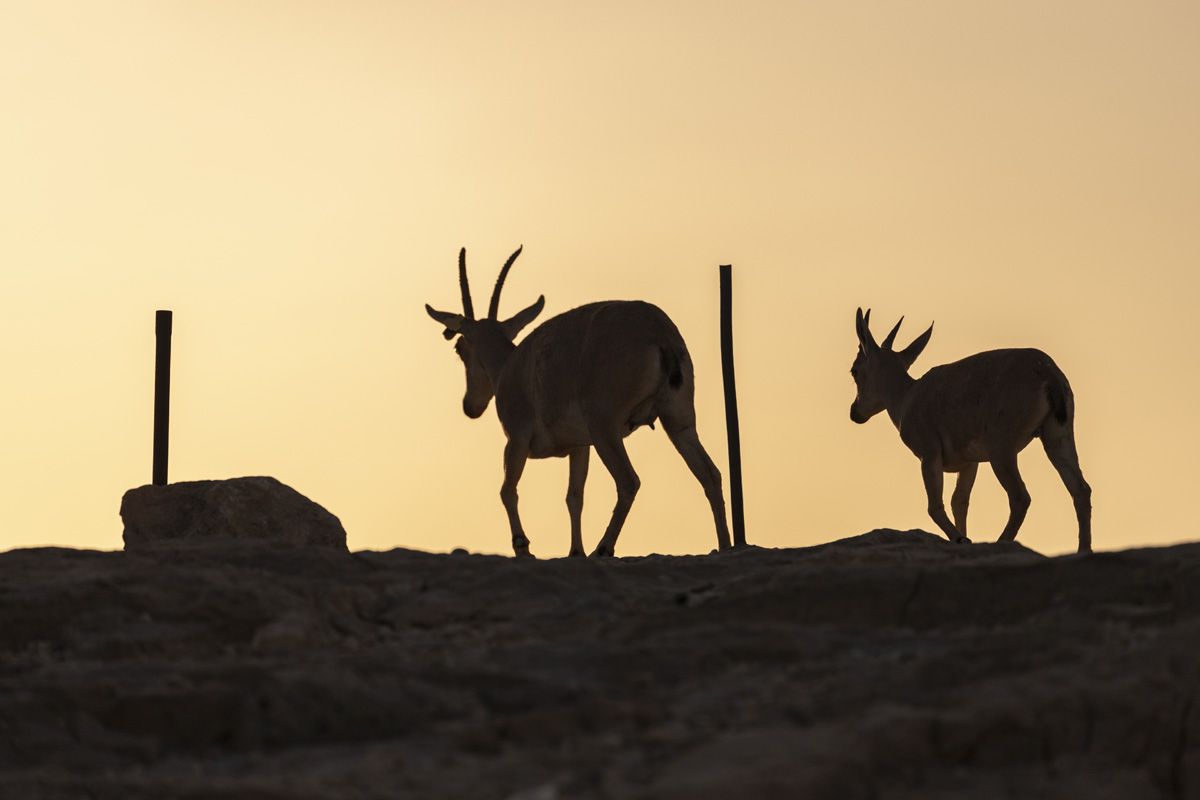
986,407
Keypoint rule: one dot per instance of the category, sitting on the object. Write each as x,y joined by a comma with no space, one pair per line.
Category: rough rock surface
238,508
890,665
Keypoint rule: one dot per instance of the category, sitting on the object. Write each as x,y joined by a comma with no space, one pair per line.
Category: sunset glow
294,180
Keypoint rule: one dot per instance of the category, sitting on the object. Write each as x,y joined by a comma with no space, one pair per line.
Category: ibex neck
899,391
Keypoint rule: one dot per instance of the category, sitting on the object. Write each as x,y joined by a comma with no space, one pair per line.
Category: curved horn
494,306
468,308
891,337
909,354
862,324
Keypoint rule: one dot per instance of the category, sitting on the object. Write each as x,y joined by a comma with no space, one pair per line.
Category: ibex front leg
961,499
515,455
579,471
931,472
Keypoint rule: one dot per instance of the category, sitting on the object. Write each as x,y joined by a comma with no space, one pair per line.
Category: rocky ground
890,665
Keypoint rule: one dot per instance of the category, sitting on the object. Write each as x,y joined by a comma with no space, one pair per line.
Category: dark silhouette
162,395
731,410
986,407
585,378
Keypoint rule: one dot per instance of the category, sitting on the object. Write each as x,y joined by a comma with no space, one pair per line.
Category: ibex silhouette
986,407
585,378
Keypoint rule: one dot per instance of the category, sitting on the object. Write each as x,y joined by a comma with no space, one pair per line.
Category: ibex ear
513,325
862,325
452,322
909,354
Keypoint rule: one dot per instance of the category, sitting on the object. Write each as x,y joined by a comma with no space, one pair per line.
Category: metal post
731,412
162,394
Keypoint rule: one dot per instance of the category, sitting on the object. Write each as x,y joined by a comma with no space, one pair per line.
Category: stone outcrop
257,508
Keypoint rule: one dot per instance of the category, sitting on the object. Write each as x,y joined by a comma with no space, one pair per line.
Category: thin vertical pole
731,412
162,393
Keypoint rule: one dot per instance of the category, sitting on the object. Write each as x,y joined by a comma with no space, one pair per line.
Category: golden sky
294,179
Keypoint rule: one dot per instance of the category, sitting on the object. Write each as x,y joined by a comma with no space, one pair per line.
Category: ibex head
878,368
483,344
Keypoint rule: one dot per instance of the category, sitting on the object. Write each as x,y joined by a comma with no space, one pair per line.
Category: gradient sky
294,179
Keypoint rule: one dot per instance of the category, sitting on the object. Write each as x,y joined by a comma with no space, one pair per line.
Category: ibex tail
670,367
1062,400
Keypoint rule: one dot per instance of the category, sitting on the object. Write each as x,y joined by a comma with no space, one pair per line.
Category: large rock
238,508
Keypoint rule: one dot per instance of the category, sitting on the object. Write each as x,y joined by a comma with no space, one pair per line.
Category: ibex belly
644,413
956,460
557,438
976,450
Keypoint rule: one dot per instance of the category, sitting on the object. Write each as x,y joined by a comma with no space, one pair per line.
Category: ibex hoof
962,540
576,554
602,552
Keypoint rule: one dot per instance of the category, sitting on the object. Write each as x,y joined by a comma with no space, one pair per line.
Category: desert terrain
887,665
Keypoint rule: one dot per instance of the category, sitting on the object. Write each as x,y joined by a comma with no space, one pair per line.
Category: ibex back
986,407
585,378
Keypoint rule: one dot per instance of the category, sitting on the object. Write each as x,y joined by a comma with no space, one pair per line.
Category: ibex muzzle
986,407
585,378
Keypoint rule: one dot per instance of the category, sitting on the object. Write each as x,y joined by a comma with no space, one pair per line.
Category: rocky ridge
889,665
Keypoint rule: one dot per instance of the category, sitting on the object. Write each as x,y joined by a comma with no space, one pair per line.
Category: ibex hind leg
1058,439
612,453
682,434
1009,476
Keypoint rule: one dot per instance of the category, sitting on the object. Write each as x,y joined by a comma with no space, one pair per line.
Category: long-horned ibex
986,407
585,378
